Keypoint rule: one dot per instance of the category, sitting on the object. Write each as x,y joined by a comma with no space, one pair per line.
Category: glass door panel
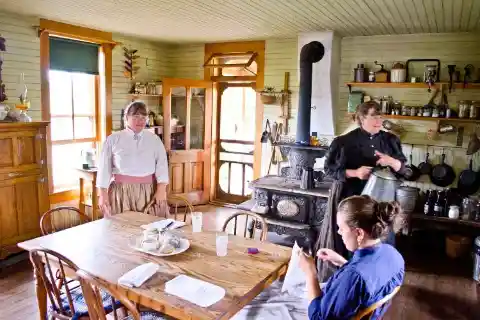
178,118
197,118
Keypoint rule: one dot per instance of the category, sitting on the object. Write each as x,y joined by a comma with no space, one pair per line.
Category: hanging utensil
278,157
468,181
473,144
442,174
425,167
266,134
412,173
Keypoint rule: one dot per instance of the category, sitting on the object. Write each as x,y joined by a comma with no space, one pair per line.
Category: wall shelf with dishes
409,85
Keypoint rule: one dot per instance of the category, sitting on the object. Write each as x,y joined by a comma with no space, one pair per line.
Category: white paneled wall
186,61
23,55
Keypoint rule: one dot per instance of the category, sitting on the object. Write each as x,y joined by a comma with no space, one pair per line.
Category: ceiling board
212,20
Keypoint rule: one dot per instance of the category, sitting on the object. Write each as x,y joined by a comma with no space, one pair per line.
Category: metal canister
476,260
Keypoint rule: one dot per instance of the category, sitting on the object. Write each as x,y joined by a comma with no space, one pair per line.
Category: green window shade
73,56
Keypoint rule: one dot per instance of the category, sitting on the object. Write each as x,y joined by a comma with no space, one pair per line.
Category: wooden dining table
102,248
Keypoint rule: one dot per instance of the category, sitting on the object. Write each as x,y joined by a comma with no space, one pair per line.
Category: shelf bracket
349,88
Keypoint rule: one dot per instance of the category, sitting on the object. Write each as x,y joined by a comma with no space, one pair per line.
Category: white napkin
295,276
163,223
196,291
137,276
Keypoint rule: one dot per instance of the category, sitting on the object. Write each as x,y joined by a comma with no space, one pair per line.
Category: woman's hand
387,161
363,172
104,204
329,255
307,264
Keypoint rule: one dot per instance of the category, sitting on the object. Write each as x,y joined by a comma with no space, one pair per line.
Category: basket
268,99
457,246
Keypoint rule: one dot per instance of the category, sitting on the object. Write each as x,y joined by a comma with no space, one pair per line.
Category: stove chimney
311,53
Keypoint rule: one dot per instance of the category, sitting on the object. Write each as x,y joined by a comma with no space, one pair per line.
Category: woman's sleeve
161,163
397,152
104,174
335,161
342,300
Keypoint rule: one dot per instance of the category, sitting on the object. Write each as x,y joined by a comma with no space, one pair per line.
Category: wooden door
187,132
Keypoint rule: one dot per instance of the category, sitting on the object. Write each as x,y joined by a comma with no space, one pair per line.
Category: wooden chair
92,289
65,302
61,218
257,221
177,206
368,312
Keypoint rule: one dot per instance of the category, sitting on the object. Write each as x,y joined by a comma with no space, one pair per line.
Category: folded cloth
295,276
194,290
137,276
163,223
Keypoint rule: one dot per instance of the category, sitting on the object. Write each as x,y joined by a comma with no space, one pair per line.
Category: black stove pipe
311,53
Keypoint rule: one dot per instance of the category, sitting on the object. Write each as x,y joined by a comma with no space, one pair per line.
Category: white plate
135,243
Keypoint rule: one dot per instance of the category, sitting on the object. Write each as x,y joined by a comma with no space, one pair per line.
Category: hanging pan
266,134
412,173
425,167
468,181
442,174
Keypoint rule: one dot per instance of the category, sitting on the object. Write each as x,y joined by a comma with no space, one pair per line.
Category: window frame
103,92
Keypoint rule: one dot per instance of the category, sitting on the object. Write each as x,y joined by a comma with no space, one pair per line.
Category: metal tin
476,260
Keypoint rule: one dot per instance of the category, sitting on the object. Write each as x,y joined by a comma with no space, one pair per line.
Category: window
73,124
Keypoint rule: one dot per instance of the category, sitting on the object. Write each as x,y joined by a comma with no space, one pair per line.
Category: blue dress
371,274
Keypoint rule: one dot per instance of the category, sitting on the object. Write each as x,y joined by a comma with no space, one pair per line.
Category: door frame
201,197
244,46
221,87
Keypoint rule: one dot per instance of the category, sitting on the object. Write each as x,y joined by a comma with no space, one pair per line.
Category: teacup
150,244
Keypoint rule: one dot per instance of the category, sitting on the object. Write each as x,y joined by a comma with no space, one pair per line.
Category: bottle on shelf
438,207
429,203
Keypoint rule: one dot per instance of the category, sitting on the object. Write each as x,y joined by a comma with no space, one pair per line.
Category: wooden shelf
406,85
470,223
388,116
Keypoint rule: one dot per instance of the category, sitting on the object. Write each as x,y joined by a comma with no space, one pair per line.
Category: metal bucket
407,197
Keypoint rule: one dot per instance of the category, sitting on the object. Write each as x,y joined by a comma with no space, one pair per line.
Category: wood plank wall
153,62
23,55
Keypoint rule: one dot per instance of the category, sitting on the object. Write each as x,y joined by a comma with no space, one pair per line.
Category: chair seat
150,315
81,308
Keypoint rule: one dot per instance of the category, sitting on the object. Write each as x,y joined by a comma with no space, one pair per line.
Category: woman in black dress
352,156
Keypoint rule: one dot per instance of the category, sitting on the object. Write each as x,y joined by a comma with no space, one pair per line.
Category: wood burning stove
292,211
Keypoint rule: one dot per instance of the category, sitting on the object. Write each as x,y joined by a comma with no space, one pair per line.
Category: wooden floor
433,288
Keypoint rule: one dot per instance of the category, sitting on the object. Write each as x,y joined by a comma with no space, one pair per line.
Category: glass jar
454,212
427,111
435,112
475,105
463,109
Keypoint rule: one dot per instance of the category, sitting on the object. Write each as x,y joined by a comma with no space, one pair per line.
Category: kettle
307,180
381,185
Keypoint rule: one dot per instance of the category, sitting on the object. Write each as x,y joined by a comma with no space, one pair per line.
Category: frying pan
425,167
468,181
412,173
442,174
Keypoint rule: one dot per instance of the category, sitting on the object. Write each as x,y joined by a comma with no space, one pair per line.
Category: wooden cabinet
23,183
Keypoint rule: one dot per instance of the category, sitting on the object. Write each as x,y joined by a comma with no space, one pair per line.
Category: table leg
81,204
41,292
95,210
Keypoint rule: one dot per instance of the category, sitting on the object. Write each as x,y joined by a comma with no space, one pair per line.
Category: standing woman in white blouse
133,167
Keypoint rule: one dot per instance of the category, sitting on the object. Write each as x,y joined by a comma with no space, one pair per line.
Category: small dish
163,250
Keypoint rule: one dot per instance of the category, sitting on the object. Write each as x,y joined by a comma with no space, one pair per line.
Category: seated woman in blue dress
371,274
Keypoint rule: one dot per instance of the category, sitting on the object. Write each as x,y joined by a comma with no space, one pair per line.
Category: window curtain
73,56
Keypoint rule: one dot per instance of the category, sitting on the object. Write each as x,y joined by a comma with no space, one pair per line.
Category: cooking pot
382,184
